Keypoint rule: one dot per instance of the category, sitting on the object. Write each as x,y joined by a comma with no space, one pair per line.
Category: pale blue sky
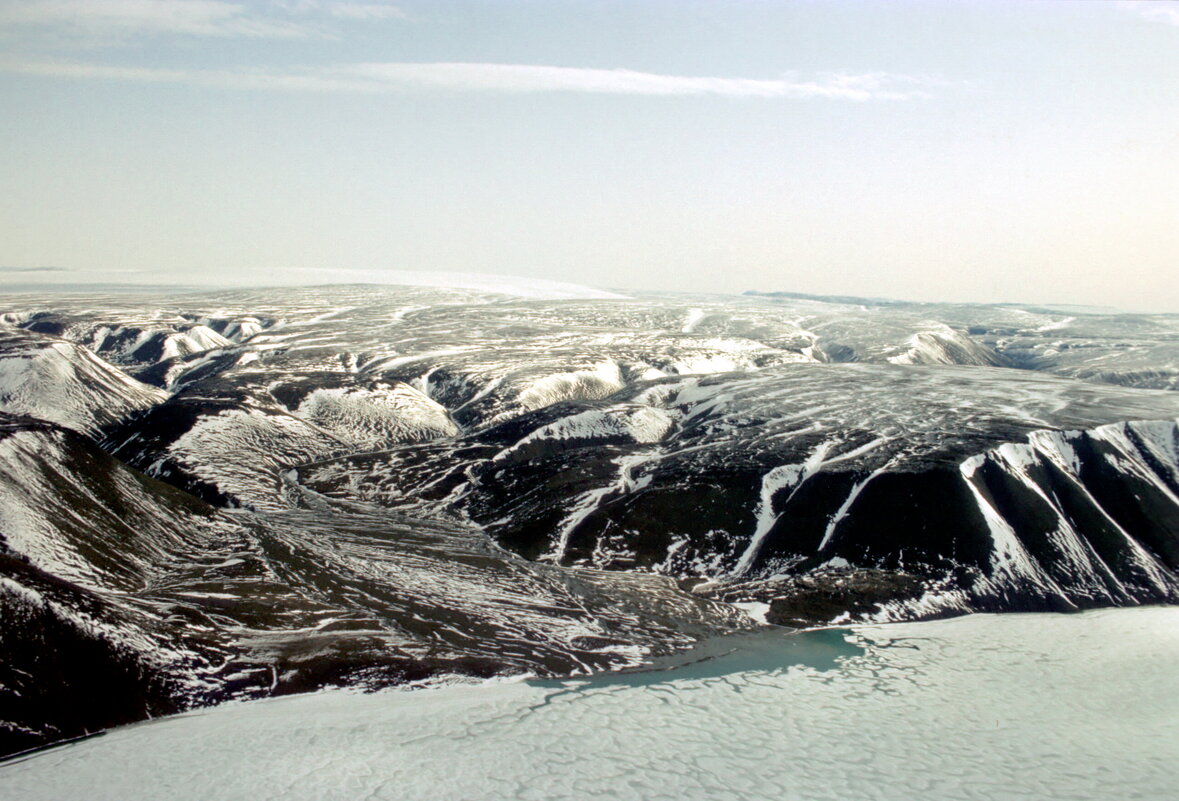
989,151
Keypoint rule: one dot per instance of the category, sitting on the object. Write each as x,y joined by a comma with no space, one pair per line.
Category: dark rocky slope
123,597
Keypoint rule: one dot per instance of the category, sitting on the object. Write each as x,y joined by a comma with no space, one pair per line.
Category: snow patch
756,610
382,416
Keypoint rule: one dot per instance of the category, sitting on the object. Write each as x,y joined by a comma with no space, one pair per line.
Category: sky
988,151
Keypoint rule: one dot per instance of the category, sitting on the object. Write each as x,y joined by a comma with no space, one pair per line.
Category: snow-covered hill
398,483
56,380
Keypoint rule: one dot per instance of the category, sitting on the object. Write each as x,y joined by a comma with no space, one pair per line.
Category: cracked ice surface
1081,706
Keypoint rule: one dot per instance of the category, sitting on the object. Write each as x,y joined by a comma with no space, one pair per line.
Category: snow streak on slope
783,477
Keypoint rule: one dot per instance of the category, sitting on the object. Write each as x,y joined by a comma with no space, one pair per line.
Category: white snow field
1034,706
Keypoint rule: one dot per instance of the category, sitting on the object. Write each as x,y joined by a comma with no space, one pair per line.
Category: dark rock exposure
238,494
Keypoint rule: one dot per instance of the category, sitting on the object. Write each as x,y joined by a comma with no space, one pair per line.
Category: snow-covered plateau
232,495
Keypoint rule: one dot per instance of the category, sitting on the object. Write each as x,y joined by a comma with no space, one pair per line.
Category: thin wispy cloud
122,20
130,18
364,11
225,79
502,78
519,78
342,10
1155,11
